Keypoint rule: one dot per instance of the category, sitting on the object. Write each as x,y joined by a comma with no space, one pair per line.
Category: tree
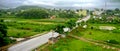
71,23
67,14
4,39
34,13
117,9
59,28
3,29
109,12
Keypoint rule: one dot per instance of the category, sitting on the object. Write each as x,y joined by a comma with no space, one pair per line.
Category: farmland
20,28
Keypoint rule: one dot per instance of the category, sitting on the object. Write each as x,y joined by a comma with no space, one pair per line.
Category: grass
96,34
16,29
12,32
56,20
71,44
28,27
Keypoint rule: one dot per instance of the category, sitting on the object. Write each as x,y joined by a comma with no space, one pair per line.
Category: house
53,17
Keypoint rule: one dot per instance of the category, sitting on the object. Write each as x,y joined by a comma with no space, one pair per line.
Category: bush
4,39
112,41
116,31
1,20
37,30
7,40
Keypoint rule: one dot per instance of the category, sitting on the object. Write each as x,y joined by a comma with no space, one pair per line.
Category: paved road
84,19
32,43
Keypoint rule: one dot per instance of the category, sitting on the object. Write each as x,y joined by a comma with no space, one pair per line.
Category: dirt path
96,43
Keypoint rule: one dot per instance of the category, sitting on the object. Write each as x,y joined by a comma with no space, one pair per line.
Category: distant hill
26,7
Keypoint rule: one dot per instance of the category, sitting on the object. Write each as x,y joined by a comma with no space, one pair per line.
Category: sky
62,3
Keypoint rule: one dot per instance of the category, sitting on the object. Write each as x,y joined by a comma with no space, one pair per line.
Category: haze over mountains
66,4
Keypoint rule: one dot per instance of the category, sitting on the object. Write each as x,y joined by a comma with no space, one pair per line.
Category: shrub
37,30
116,31
112,41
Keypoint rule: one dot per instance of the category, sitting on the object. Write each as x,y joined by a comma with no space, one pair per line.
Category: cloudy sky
62,3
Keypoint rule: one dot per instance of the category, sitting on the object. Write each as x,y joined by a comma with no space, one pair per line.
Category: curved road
38,41
32,43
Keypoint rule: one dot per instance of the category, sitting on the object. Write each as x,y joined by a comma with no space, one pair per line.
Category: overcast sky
62,3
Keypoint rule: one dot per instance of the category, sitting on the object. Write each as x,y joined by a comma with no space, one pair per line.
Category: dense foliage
67,14
33,13
4,39
59,28
71,23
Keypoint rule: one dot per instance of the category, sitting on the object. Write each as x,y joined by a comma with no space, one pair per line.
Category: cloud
66,3
38,2
84,5
60,3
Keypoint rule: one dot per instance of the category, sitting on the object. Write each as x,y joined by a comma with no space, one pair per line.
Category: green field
28,27
97,34
71,44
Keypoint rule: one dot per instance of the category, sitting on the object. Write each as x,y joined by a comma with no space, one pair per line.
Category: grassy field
97,34
28,27
47,20
71,44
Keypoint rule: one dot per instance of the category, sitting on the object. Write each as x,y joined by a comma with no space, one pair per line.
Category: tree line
39,13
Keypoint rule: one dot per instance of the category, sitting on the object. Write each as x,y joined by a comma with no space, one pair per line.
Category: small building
53,17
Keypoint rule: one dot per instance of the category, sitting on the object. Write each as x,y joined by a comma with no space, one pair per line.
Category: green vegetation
4,39
71,23
96,34
25,22
18,27
27,27
71,44
59,28
92,33
33,13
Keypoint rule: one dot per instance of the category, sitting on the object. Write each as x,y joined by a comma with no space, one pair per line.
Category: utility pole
105,7
81,4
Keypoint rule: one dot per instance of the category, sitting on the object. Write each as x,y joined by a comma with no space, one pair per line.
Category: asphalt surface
84,19
32,43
